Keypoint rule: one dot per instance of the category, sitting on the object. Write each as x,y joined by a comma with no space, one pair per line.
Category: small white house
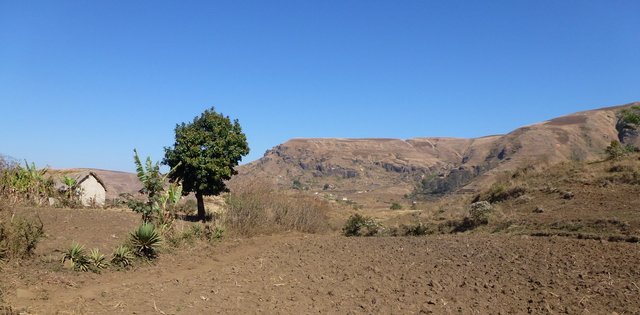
92,190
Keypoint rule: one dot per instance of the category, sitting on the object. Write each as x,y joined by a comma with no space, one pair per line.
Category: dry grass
256,208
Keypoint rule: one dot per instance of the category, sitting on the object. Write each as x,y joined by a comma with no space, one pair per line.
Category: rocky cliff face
394,167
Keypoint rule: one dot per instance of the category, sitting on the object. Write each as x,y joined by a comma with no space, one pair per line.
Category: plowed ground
305,274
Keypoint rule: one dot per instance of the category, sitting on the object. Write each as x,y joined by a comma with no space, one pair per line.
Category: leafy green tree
205,154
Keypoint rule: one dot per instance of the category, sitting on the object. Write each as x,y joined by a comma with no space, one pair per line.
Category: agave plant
145,240
76,255
122,256
97,259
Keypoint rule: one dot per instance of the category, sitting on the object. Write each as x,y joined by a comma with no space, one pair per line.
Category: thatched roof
83,176
79,177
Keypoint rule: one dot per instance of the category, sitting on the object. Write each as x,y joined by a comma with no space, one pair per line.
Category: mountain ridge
396,167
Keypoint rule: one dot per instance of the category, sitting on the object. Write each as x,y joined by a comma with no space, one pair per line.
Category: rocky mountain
391,168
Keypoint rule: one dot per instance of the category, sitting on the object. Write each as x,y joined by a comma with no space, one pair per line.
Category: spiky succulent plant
122,256
145,240
76,255
97,259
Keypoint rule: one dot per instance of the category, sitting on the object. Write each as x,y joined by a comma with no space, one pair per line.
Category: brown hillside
371,170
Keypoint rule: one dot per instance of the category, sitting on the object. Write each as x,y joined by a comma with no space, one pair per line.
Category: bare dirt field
303,274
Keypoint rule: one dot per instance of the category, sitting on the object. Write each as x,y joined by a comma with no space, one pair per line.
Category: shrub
359,225
145,240
479,212
499,192
122,256
395,206
19,236
417,229
76,255
297,185
615,150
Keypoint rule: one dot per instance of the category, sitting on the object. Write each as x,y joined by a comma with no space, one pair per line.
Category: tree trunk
201,211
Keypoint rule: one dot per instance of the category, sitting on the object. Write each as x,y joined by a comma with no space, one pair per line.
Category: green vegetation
122,256
153,183
479,212
630,115
71,192
359,225
297,185
197,231
26,184
417,229
395,206
145,240
205,154
97,259
77,257
616,150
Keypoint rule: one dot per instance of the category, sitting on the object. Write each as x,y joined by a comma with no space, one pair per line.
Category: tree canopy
205,154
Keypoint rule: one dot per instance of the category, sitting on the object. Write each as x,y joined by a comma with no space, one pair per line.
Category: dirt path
298,274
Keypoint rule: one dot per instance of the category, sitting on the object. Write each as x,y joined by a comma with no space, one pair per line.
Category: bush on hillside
616,150
499,192
359,225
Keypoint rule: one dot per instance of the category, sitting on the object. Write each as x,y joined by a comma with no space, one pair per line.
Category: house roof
84,175
80,177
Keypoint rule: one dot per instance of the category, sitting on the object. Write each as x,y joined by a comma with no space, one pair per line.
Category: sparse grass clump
395,206
197,231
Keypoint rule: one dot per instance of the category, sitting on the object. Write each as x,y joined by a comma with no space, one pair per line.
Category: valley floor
304,274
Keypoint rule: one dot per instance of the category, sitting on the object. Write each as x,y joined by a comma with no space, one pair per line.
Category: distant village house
92,190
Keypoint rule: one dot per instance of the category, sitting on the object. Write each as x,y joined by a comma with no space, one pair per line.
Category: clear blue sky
82,83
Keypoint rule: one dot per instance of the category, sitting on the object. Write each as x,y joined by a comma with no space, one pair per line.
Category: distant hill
376,169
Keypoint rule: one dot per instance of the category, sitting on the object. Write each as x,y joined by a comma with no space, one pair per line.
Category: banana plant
153,183
171,196
71,187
